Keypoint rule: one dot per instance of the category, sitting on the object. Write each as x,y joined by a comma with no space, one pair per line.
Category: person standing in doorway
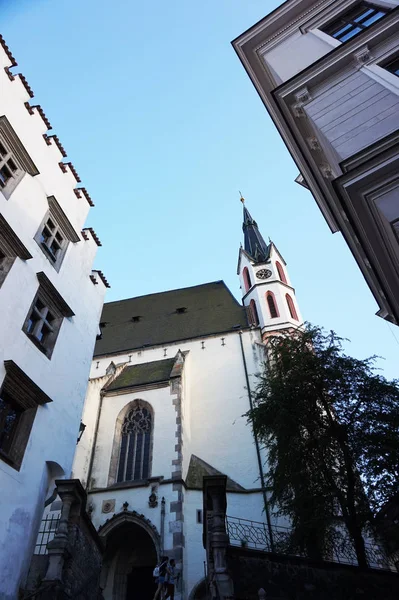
159,574
171,579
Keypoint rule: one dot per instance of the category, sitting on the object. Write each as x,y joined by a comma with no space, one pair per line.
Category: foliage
330,425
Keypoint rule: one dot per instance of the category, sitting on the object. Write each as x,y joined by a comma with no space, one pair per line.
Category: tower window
134,456
354,21
247,279
281,273
271,302
253,313
291,307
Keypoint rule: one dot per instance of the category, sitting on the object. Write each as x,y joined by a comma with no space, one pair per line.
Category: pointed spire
254,244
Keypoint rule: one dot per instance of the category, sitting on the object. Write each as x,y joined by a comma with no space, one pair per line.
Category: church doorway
140,584
130,558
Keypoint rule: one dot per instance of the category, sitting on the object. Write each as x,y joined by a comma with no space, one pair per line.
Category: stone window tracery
134,456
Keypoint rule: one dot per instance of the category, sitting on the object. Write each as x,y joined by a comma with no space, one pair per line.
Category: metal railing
47,530
253,534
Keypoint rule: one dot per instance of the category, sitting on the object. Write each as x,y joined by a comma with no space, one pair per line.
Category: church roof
254,244
168,317
151,372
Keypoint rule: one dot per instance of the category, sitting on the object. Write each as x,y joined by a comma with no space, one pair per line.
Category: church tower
266,287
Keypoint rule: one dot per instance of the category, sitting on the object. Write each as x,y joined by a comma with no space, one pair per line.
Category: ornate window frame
16,151
25,396
116,445
11,247
60,231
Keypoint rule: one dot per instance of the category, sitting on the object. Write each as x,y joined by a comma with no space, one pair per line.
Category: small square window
55,233
52,241
11,247
45,316
356,20
10,172
19,399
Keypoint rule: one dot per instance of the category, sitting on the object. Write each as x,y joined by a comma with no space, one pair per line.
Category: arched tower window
291,307
134,455
254,313
247,279
281,273
271,302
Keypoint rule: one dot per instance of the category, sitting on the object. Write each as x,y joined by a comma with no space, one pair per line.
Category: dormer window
136,319
181,310
353,22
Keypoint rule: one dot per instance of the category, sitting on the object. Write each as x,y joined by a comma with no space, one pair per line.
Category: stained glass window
134,457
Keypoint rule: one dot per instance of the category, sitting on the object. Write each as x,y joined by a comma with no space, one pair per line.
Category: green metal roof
152,372
210,309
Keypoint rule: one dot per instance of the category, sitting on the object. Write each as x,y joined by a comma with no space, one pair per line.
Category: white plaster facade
336,105
63,377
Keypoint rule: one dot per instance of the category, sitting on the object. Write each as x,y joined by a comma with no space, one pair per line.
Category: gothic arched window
247,279
271,302
134,455
291,307
254,313
281,273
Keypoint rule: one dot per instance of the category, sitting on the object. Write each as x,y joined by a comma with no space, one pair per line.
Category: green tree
330,425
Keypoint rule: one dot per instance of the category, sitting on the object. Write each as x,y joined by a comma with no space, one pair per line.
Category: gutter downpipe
93,447
262,479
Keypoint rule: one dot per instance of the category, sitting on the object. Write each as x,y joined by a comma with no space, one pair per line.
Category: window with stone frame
55,233
351,23
11,247
135,447
19,400
10,171
392,65
14,160
45,316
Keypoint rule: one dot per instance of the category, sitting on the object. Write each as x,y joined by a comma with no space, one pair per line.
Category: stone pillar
73,496
216,538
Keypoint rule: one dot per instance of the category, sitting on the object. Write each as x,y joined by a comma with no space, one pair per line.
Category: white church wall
137,497
164,426
64,377
217,396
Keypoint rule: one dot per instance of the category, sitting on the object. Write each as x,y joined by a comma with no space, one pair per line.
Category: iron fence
47,530
255,535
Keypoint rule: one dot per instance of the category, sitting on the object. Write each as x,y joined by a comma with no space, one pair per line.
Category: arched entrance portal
130,557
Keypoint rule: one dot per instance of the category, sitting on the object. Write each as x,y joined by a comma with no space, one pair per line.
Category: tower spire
254,244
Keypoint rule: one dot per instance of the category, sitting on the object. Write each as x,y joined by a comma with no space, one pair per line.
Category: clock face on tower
263,273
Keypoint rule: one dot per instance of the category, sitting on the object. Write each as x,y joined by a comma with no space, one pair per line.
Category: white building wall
353,111
63,378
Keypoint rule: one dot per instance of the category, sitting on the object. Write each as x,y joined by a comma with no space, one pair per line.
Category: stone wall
290,578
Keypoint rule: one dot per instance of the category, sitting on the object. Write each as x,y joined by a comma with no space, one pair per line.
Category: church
170,383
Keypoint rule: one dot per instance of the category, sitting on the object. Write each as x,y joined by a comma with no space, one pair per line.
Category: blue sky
164,127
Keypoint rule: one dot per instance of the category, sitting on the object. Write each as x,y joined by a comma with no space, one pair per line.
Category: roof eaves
165,342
